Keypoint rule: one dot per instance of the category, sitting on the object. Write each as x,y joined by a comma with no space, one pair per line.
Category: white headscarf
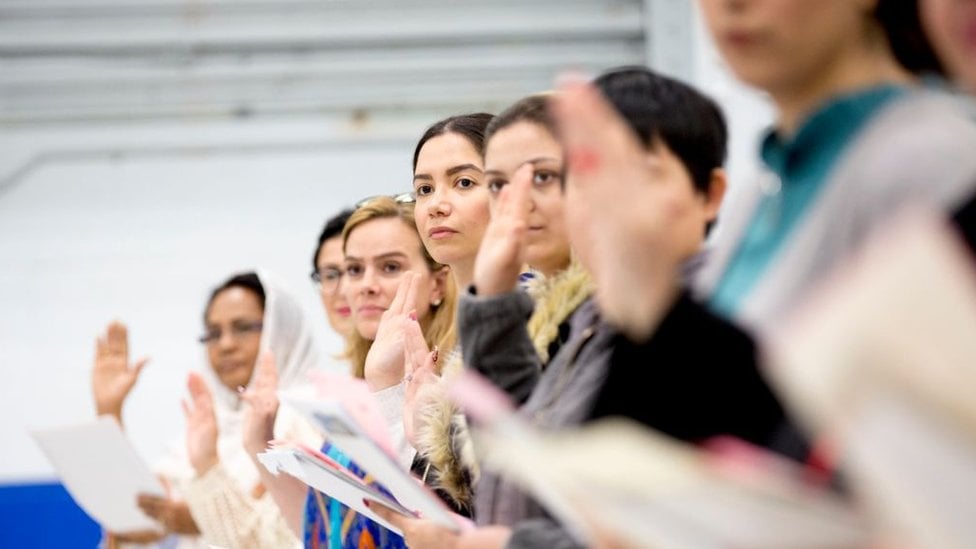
287,333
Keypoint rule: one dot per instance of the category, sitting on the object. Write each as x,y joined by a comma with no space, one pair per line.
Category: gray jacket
496,343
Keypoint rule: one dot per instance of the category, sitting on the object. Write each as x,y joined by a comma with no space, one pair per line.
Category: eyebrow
387,255
533,161
450,171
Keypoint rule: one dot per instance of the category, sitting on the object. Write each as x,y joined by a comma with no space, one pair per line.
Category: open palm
112,376
384,362
502,251
201,425
262,405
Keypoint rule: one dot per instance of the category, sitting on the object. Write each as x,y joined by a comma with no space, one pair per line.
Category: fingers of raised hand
400,298
199,392
413,288
267,374
415,350
117,337
590,128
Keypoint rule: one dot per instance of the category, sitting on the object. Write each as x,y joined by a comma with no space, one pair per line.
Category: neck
870,67
552,268
463,273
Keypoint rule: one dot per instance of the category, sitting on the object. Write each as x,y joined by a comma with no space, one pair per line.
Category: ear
717,184
440,286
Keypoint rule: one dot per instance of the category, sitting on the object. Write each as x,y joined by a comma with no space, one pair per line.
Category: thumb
140,364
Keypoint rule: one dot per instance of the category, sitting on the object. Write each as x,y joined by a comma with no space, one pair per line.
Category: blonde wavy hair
439,327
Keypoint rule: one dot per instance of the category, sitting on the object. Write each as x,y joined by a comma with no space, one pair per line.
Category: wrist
377,385
114,411
204,466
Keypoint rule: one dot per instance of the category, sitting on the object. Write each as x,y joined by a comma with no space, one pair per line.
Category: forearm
288,494
495,341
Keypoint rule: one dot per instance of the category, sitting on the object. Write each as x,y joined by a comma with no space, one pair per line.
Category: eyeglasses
238,331
402,198
328,279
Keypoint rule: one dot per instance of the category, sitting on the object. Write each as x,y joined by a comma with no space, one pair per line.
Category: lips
440,233
740,39
370,310
228,367
344,311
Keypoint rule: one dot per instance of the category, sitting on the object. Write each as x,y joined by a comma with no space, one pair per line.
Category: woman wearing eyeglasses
211,477
388,277
327,270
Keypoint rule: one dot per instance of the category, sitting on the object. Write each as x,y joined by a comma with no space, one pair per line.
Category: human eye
495,185
423,189
542,178
466,183
392,267
210,335
331,274
354,270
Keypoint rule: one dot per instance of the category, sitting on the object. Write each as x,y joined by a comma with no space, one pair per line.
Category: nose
368,283
227,341
440,205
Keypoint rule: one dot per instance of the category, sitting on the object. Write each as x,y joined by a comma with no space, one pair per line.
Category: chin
368,331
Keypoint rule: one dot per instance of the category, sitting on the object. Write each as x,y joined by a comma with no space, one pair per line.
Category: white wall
143,237
138,221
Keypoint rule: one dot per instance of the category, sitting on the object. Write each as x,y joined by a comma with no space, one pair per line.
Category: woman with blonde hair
388,277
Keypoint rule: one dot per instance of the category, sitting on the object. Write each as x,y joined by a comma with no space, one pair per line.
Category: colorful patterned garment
330,524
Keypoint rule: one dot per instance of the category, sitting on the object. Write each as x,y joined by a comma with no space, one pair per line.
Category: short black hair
902,25
470,126
247,280
657,107
333,229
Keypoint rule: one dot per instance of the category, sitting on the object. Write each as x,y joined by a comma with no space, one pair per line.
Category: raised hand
420,368
502,252
620,210
201,425
384,362
262,405
112,375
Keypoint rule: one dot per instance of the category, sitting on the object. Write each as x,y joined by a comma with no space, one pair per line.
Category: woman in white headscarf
216,496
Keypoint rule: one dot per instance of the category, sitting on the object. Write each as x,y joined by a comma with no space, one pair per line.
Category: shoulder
919,146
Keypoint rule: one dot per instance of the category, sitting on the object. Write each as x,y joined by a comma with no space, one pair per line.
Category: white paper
343,432
329,482
102,472
663,493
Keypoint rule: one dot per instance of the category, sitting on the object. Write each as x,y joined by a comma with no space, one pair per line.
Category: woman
244,315
853,140
683,135
327,270
228,516
452,213
388,276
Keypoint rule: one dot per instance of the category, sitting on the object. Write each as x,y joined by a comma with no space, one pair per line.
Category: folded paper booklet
102,472
349,415
616,478
330,478
882,359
